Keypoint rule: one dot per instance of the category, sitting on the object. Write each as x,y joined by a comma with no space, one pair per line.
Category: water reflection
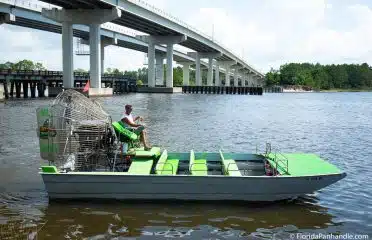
174,219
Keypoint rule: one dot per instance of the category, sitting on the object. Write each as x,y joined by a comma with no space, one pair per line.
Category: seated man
130,124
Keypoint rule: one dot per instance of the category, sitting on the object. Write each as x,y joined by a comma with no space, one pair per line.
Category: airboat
87,155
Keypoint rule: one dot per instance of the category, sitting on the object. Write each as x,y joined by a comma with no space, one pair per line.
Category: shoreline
347,90
326,91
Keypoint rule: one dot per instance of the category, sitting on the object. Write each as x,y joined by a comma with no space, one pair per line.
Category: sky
265,33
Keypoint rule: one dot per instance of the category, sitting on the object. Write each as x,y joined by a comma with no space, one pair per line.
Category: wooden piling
33,89
6,93
18,89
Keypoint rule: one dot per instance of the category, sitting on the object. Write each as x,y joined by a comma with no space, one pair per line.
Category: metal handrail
277,160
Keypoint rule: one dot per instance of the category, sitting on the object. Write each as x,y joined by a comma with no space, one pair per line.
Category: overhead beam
82,16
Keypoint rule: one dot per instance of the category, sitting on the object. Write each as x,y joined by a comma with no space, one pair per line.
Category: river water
337,126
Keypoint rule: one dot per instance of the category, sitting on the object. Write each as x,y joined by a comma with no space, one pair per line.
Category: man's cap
128,106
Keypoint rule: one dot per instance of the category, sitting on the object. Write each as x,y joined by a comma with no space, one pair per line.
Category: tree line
22,65
322,77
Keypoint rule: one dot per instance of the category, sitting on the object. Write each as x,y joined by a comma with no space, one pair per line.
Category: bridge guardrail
38,8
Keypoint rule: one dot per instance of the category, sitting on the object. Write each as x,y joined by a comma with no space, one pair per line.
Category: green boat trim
49,169
301,164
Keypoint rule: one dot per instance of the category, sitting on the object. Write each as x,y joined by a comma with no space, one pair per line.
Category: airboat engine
75,133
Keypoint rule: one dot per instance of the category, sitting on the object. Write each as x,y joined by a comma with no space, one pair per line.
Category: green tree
24,65
80,70
177,76
7,65
39,66
116,71
108,70
272,77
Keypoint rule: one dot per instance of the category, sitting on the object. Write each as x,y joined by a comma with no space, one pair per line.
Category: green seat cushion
140,166
154,152
199,167
123,133
170,167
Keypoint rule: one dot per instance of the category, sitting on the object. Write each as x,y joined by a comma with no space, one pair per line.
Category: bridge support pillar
227,65
95,55
259,81
236,75
67,56
169,78
254,80
245,74
151,65
249,79
236,78
227,76
159,57
169,41
186,72
104,43
93,18
210,72
198,79
200,55
217,78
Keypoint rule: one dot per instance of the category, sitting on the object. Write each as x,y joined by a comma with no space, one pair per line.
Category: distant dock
32,84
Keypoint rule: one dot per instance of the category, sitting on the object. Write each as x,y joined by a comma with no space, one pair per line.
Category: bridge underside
84,34
154,26
141,24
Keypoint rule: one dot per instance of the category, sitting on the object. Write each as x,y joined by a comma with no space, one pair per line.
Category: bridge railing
168,16
37,7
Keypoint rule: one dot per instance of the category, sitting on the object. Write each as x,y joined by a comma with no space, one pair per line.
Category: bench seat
170,167
230,167
199,167
141,166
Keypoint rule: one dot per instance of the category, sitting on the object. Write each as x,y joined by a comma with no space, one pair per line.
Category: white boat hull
129,187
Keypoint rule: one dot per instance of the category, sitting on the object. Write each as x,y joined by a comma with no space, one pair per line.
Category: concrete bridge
100,23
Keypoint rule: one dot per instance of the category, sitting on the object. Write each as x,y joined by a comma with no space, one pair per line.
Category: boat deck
301,164
157,162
